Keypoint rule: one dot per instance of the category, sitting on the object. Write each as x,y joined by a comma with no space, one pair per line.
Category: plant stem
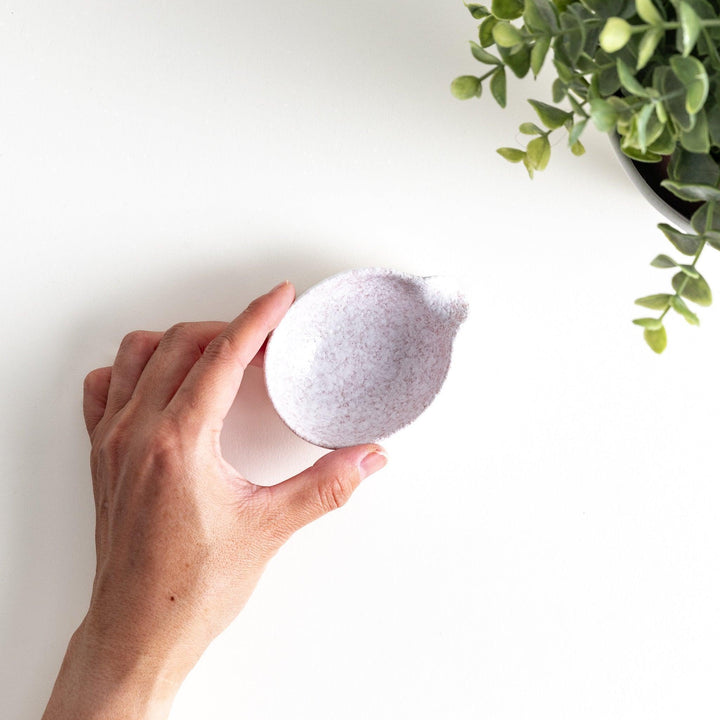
672,25
703,242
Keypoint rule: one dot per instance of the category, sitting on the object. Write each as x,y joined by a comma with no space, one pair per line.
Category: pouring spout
445,297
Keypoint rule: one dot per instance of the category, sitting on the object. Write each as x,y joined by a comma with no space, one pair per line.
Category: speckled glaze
362,354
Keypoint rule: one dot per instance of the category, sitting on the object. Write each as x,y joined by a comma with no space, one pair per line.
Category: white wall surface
545,540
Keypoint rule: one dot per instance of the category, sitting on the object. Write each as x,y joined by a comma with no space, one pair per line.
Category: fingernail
279,285
372,462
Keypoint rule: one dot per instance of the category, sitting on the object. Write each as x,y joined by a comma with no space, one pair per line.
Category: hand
181,538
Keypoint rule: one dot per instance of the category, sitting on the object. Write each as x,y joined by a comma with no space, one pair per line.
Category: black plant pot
647,178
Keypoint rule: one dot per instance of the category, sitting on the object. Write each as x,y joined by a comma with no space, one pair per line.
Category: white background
545,540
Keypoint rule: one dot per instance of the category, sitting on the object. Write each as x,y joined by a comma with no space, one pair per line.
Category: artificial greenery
648,70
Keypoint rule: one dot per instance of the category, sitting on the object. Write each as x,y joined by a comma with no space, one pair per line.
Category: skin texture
181,538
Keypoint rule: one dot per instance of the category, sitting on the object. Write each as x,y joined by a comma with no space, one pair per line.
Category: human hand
181,538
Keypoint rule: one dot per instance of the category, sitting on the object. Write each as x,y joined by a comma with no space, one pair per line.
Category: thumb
327,485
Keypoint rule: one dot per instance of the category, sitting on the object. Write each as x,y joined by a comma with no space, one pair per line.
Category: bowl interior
357,357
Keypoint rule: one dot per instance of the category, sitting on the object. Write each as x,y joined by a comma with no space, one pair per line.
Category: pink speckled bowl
362,354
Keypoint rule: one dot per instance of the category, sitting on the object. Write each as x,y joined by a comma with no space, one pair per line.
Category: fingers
327,485
153,365
134,353
95,394
210,387
178,350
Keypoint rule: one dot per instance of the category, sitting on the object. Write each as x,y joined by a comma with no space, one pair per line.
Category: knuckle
155,449
135,342
92,379
335,492
179,333
160,447
221,348
113,443
106,452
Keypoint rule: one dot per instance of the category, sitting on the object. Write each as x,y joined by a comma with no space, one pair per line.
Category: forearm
96,683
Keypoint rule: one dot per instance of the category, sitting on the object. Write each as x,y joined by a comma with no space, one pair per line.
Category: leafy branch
647,70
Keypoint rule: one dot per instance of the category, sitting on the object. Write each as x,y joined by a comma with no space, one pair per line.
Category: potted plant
646,71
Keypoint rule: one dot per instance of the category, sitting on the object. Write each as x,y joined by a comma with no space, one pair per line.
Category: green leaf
506,35
649,323
695,289
587,65
665,143
699,220
663,261
528,128
564,72
477,11
636,154
641,126
656,339
654,302
648,12
687,191
559,90
693,168
538,54
713,117
517,59
689,270
576,132
498,87
529,167
678,304
538,152
648,43
713,239
704,8
692,74
615,35
483,55
511,154
605,8
541,16
485,31
608,81
573,36
697,140
603,115
686,244
577,148
507,9
690,27
578,109
550,116
675,96
466,87
629,81
663,118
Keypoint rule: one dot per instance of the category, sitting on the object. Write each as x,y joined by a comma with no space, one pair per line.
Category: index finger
209,389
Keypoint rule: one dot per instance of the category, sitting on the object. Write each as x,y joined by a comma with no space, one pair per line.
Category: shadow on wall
51,565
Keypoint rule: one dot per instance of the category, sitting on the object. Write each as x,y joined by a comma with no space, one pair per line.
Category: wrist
101,682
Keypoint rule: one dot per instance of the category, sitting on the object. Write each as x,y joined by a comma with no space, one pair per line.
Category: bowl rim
373,271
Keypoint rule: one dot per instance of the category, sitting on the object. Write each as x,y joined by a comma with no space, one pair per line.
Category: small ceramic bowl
362,354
